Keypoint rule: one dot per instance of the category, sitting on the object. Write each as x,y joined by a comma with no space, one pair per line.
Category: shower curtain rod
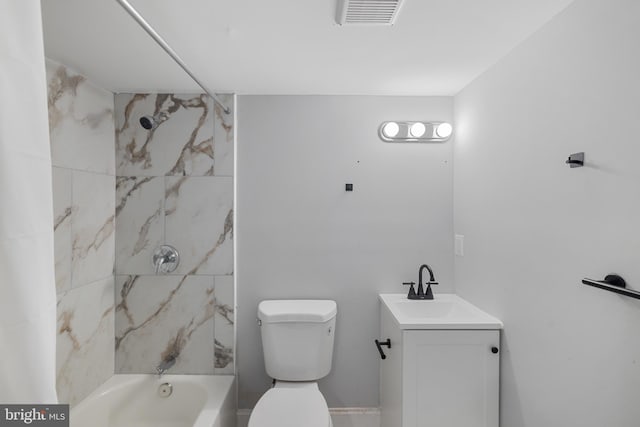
172,53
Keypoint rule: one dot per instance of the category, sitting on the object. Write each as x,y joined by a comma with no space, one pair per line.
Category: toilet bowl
297,340
291,405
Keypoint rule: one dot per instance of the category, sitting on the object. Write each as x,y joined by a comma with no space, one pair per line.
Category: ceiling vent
369,12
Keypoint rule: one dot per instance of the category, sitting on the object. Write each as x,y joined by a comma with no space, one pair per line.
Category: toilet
297,341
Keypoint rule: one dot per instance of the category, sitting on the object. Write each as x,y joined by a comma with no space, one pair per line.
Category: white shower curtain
27,284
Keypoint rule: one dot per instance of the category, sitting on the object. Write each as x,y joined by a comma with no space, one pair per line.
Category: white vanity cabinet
435,377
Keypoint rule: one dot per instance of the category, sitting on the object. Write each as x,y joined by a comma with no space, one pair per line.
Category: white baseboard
243,417
341,417
355,417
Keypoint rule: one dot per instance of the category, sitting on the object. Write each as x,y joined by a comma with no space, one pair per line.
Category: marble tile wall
82,139
85,355
174,186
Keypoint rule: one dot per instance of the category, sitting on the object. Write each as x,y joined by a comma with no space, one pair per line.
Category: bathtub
134,401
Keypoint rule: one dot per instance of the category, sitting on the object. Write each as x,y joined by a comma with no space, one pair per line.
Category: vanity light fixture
415,131
443,130
390,129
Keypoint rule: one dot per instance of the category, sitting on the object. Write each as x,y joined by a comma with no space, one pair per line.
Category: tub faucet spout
165,365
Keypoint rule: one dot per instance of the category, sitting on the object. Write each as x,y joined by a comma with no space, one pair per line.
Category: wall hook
576,160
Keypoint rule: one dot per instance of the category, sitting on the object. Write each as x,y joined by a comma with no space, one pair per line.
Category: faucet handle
165,259
429,293
412,290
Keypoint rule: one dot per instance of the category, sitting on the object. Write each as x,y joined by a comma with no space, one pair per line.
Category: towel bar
613,283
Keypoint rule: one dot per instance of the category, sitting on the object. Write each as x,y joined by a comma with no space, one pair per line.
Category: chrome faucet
165,259
165,365
421,294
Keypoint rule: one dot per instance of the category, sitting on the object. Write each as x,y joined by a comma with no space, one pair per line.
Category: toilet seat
291,407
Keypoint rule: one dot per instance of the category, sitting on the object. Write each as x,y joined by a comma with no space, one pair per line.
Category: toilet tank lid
311,311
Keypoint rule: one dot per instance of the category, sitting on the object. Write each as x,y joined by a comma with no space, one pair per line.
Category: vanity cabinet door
450,378
390,373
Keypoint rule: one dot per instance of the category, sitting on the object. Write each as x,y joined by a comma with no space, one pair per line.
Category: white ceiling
436,47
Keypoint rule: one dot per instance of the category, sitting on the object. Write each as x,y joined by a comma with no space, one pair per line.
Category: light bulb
417,129
444,130
391,129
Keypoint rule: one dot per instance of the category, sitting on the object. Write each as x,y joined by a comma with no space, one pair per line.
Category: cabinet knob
494,350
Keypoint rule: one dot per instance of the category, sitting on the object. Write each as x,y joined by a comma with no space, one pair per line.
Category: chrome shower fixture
165,259
152,122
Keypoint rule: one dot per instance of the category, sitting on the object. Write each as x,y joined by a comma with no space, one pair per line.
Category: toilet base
291,404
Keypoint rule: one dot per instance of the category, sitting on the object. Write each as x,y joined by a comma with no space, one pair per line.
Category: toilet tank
297,338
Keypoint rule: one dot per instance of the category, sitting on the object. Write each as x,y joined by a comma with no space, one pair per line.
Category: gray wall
300,235
534,227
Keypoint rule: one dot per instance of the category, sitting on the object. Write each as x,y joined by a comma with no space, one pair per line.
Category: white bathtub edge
219,407
228,408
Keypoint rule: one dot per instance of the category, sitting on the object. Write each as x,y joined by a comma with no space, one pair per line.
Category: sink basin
432,309
445,311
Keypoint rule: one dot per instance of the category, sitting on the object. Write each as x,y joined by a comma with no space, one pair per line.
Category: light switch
459,245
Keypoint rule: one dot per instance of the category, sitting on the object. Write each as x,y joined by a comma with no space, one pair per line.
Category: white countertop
445,311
